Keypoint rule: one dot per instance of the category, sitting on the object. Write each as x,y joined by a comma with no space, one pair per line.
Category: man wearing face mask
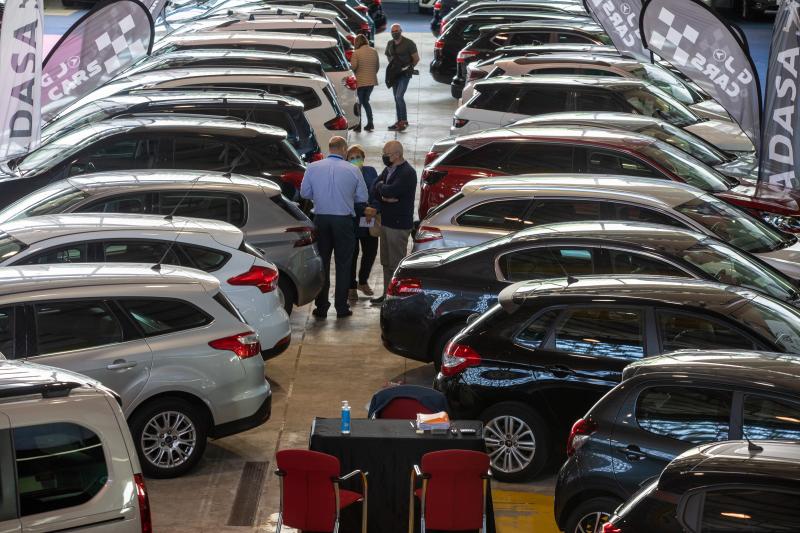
395,189
403,57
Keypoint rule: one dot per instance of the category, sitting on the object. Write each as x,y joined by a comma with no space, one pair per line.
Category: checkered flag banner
712,53
103,43
620,20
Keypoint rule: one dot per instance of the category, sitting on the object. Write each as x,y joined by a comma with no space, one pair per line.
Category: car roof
32,230
21,378
569,22
572,134
549,48
290,20
570,58
158,76
189,95
600,117
221,53
30,278
294,40
139,180
609,82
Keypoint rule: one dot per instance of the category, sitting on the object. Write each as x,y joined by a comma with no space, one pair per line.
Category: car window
682,331
228,207
588,100
607,162
501,39
157,317
624,262
549,262
59,465
129,203
205,259
769,418
533,334
614,333
69,253
555,211
74,325
529,38
119,154
687,414
635,213
139,252
202,153
57,197
307,95
537,158
649,506
733,510
540,101
562,71
773,320
494,97
7,333
570,38
490,156
502,214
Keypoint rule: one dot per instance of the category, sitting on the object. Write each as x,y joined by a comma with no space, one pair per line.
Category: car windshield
774,320
57,197
686,142
733,226
91,112
653,102
667,82
727,265
686,168
63,146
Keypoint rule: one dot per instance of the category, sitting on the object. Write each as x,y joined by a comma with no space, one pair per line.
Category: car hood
745,167
723,134
711,109
786,260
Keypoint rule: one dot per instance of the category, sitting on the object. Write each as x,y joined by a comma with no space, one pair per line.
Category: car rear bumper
440,73
261,415
278,348
402,331
306,268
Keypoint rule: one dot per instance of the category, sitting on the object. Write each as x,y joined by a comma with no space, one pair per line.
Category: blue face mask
357,161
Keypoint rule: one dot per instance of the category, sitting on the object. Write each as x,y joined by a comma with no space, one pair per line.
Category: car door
549,261
534,101
93,337
659,421
9,521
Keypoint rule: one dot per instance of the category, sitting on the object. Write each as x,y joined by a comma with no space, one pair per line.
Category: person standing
365,64
369,244
336,187
403,57
395,189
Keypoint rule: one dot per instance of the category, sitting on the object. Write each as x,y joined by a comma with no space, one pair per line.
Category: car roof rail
51,389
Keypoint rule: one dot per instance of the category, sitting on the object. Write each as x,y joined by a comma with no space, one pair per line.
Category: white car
212,246
66,455
315,92
327,50
500,101
605,65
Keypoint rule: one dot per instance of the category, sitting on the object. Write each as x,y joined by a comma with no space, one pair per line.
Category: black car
664,406
541,357
255,106
451,285
580,30
359,23
189,142
734,486
466,28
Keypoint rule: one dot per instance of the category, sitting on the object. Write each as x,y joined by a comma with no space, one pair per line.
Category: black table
388,449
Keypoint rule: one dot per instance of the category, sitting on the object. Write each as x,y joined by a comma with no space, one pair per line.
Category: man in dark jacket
403,57
396,188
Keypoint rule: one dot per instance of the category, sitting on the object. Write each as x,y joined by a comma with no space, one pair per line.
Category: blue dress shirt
334,185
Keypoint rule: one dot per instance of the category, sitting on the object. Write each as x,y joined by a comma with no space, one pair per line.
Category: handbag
375,229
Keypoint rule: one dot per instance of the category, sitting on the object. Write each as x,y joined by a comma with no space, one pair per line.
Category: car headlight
782,222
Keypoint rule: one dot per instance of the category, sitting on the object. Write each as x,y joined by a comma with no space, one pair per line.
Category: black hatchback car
550,349
189,142
734,486
664,406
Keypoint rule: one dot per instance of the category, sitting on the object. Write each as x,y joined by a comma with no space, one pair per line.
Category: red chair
453,493
311,499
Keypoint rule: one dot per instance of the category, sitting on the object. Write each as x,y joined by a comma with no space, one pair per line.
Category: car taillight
465,55
348,54
404,287
144,504
350,81
351,37
364,26
244,345
362,8
458,357
580,434
427,234
438,45
317,156
430,157
376,2
295,177
307,235
438,5
608,527
265,278
338,123
459,122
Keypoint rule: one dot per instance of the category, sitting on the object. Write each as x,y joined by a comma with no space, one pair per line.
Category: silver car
270,222
183,362
492,207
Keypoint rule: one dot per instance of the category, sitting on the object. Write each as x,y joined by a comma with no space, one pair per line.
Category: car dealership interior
385,266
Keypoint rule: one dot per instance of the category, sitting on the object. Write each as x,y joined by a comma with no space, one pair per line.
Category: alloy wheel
510,443
168,439
592,522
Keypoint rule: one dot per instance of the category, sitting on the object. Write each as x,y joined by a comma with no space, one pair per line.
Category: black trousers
335,237
369,251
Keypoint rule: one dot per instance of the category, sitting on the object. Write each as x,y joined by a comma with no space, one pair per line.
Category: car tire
518,441
589,516
286,294
184,419
443,336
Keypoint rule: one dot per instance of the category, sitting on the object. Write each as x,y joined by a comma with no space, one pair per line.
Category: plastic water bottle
345,418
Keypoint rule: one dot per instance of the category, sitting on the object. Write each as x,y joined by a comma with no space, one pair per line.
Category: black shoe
319,313
394,127
357,129
369,127
344,314
377,301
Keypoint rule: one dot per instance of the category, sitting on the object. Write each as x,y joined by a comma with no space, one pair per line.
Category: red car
584,150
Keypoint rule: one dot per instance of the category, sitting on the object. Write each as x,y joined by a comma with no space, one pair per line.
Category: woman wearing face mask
368,243
365,64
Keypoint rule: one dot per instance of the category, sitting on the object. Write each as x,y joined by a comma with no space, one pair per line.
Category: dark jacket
431,399
393,72
402,185
370,177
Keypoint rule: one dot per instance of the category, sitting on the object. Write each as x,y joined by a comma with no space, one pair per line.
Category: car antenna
169,217
752,447
570,278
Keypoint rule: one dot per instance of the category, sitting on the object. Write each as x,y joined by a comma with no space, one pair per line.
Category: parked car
283,112
187,142
652,417
568,64
503,100
453,284
69,430
269,221
727,486
262,12
550,349
248,280
567,6
357,21
167,341
579,30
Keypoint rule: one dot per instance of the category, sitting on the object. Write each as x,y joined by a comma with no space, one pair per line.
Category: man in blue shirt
335,186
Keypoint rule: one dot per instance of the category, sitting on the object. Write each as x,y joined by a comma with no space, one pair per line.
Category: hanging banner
98,47
21,82
781,145
712,53
620,20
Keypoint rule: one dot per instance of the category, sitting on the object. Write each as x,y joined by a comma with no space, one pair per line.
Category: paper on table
364,223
